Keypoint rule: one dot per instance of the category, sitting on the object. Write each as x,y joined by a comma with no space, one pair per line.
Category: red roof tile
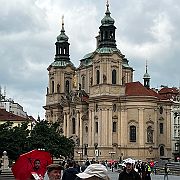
7,116
137,89
166,90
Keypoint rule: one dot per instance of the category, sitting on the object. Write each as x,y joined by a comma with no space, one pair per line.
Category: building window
114,76
52,86
96,127
83,82
86,129
132,133
96,107
161,128
149,135
114,126
73,126
98,76
162,151
67,86
114,107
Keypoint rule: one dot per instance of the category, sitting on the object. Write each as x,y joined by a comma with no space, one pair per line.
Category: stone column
99,127
124,128
168,128
77,124
119,129
81,129
155,138
90,129
110,127
92,137
106,127
141,130
68,125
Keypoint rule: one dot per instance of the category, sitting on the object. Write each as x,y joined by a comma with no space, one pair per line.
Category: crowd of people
93,170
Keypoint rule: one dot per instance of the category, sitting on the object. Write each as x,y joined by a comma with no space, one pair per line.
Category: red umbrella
24,165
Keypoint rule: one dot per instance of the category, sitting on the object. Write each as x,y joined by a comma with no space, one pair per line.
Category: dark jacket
133,175
70,174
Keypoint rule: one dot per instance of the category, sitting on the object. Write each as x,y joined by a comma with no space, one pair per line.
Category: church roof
61,63
107,50
137,89
166,90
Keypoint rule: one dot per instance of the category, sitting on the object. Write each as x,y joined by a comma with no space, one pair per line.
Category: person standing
129,173
70,173
36,171
166,171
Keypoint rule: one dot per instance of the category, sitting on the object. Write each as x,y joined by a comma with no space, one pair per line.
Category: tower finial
62,22
146,66
107,5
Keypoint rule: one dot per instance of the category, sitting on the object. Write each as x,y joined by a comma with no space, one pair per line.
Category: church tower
61,73
146,78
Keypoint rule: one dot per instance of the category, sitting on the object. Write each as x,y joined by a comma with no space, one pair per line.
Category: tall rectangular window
161,128
96,127
132,133
114,126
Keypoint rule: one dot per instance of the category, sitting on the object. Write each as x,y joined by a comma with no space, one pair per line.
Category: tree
13,139
46,136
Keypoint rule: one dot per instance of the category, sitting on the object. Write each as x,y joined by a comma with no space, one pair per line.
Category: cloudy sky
146,30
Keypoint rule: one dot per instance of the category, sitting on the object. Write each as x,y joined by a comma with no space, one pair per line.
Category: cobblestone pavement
114,176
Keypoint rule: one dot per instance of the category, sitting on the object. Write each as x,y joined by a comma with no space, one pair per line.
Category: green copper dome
62,37
107,20
147,76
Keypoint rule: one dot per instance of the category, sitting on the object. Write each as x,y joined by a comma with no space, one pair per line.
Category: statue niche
58,88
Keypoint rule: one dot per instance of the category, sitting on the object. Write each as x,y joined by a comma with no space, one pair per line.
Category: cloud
146,30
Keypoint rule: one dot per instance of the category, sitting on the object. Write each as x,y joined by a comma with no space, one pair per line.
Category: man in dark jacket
70,173
129,173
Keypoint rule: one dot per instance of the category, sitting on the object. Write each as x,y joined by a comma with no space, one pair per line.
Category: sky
146,31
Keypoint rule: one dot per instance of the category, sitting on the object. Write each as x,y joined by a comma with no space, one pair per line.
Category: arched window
161,150
52,86
149,135
67,86
132,133
83,82
73,126
98,76
114,76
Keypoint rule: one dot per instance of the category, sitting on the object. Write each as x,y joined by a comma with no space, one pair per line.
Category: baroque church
100,107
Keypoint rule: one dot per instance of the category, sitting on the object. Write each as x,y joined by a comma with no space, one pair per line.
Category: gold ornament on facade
75,81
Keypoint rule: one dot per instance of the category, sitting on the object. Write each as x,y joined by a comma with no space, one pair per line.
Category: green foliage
13,139
18,140
46,136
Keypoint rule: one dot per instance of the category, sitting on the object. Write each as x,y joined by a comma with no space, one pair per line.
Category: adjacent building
173,94
100,107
